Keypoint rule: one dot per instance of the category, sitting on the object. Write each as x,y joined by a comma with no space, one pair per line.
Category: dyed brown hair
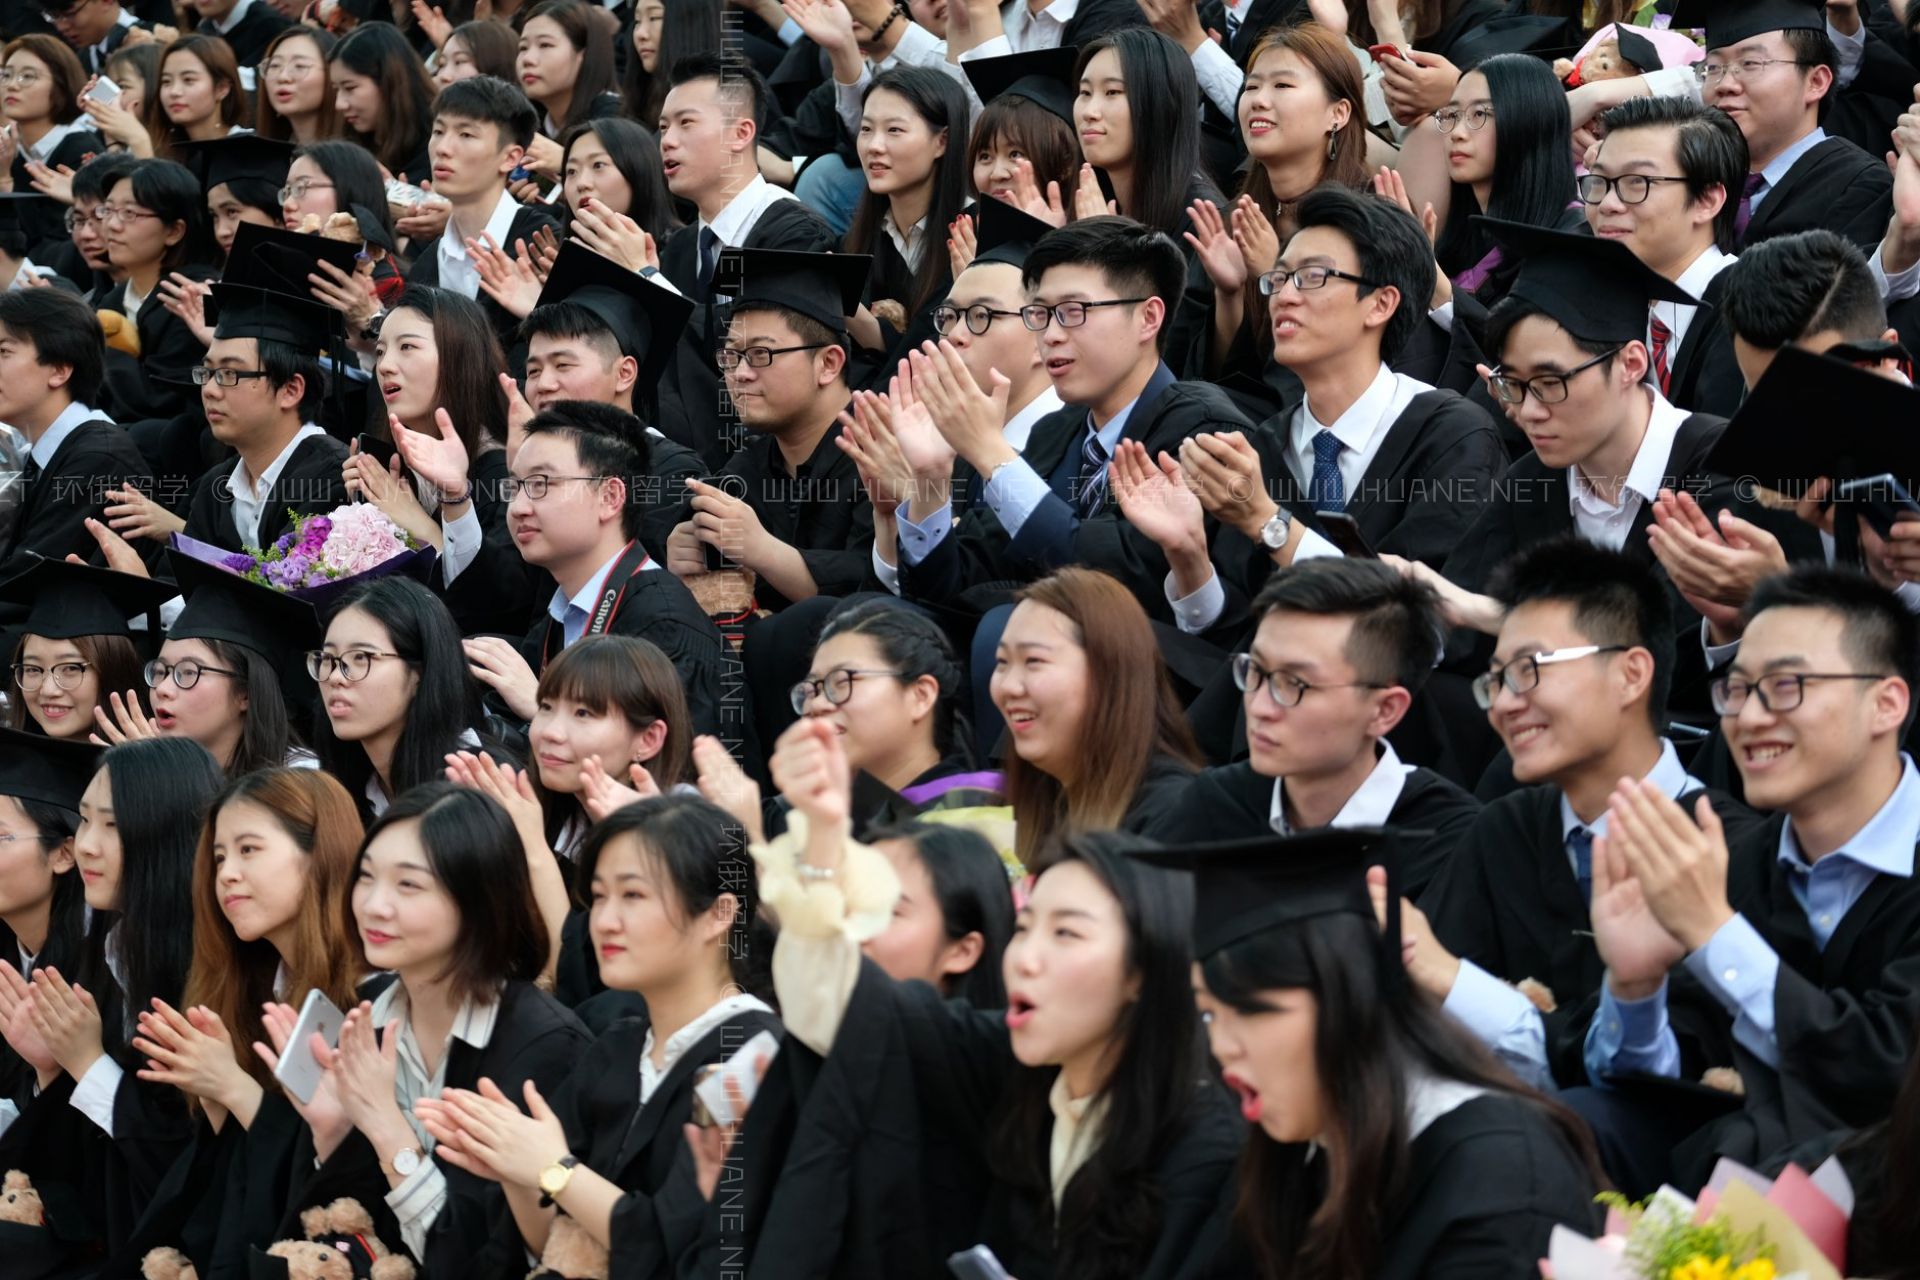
113,659
62,64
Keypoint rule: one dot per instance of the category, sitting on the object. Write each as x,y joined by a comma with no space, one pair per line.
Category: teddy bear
342,1227
313,1260
571,1254
119,332
19,1202
1603,62
359,227
167,1264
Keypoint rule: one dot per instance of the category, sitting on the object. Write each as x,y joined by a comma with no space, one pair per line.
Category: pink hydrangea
359,538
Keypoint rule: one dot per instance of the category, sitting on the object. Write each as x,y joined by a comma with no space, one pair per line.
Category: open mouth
1019,1012
1523,736
1057,366
1248,1095
1761,754
1259,127
165,721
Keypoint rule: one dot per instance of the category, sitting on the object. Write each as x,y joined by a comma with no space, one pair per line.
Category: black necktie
709,255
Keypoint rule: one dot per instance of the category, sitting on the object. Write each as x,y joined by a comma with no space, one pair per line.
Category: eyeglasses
979,317
76,219
1548,388
297,69
1285,690
1071,315
1477,118
25,79
185,674
1632,188
202,375
1782,692
836,687
1522,675
1745,69
354,664
1307,279
758,357
66,675
535,487
120,213
298,190
7,837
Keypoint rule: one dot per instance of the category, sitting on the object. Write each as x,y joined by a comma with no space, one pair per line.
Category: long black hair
446,701
471,363
379,52
940,102
635,152
161,788
1532,164
267,734
1163,103
355,176
1325,1216
970,884
595,77
688,28
66,923
170,192
1110,1213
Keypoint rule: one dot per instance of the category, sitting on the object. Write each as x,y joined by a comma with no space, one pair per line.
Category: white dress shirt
735,223
1607,524
1023,30
686,1037
250,495
457,272
1678,316
1370,805
59,429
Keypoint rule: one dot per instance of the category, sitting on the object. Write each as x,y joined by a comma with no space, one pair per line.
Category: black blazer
252,34
1704,376
308,485
1835,186
95,456
527,219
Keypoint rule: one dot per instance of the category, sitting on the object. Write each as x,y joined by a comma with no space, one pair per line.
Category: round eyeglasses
66,675
836,687
979,317
185,674
353,665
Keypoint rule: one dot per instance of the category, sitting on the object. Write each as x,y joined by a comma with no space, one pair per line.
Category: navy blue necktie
1580,845
1327,491
1233,27
709,255
1090,486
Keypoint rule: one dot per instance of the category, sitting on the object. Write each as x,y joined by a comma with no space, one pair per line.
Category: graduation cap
1042,76
66,600
243,311
1246,887
243,155
822,286
53,771
1731,22
1814,416
1594,289
646,318
1006,234
225,606
279,261
1535,35
1636,49
372,229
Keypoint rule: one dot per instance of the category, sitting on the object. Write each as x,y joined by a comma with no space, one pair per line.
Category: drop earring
1333,145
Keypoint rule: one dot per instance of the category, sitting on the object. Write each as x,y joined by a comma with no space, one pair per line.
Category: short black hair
1707,144
491,99
1615,600
1786,289
568,319
611,442
1136,260
282,362
1814,48
63,330
809,330
92,180
1877,631
1392,249
1396,621
1512,309
736,76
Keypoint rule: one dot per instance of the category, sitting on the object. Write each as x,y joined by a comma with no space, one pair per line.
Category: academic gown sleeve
95,458
494,593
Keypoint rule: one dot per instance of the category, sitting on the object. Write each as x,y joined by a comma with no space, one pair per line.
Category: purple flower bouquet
323,556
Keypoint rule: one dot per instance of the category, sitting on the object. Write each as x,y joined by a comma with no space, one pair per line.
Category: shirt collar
583,599
691,1034
257,489
232,20
1364,417
1020,426
53,137
1109,435
499,225
1649,470
472,1025
1370,805
58,430
733,222
1701,272
1885,844
911,243
1667,773
1060,12
1777,169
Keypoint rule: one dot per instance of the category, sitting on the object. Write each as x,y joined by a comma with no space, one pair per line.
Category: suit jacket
252,34
157,385
495,593
308,485
819,509
1095,18
527,219
1704,376
1835,186
95,456
979,550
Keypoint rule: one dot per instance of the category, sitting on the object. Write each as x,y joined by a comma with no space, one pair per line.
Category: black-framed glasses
836,686
1477,118
186,674
225,377
1522,675
758,357
1632,188
1782,691
979,317
1307,279
1547,388
1285,690
66,675
536,486
354,664
1743,70
1071,315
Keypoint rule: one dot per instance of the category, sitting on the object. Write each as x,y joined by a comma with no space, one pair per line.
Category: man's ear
510,159
625,373
613,497
290,396
1384,304
1153,318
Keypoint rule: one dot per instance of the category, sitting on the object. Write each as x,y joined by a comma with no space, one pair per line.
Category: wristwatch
554,1179
1273,534
406,1161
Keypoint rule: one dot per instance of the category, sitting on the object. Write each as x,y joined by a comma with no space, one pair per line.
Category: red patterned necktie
1662,338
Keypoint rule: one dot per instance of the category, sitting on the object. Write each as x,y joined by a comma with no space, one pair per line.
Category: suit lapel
651,1114
1781,196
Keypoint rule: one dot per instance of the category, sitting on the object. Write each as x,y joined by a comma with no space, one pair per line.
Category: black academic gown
819,509
157,386
1233,802
500,593
1835,186
252,34
642,1149
979,552
1507,900
1704,376
308,485
527,219
95,456
662,492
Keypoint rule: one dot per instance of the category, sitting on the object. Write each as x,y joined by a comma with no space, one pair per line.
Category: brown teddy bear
19,1202
314,1260
571,1254
167,1264
1627,53
342,1226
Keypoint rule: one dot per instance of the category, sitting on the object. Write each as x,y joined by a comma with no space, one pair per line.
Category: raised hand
498,665
969,419
510,788
1223,470
1155,498
324,1114
507,279
1253,232
810,767
614,235
16,1022
1226,266
348,292
725,783
1636,948
119,719
1681,865
600,795
441,460
432,21
867,437
828,23
133,514
383,484
57,183
1050,208
1088,200
519,414
186,298
514,1145
963,245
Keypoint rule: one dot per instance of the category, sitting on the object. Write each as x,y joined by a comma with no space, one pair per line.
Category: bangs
1277,958
587,674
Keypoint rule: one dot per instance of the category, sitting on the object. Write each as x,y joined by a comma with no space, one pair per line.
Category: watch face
406,1162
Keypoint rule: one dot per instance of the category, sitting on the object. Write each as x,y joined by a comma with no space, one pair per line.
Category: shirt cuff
462,537
1852,49
856,903
1015,491
1314,547
889,574
1894,286
1909,593
917,541
847,98
1631,1035
1442,315
1220,77
1200,610
1718,655
1484,1005
1739,968
416,1202
93,1095
790,32
998,47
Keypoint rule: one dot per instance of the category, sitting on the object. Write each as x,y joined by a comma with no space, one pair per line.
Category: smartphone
103,90
1879,500
1338,528
977,1263
1385,51
404,195
298,1071
374,447
520,173
716,558
710,1094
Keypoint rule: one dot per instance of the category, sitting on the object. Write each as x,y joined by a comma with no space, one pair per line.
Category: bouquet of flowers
1743,1227
323,556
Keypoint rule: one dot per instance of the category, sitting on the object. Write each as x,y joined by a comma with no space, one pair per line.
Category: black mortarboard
1813,416
242,155
1640,52
66,600
1594,289
1042,76
1245,887
646,318
243,311
823,286
1005,234
225,606
1536,36
53,771
278,260
372,229
1731,22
